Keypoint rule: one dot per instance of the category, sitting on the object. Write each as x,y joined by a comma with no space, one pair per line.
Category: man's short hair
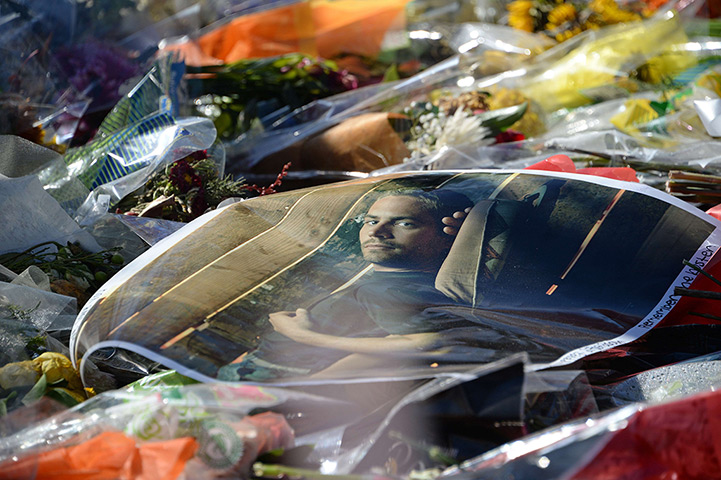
439,203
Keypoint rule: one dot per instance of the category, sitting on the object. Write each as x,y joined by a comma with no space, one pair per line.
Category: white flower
461,128
439,130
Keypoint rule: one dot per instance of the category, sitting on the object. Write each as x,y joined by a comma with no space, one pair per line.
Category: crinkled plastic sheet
600,134
321,28
237,144
339,429
674,439
167,145
37,101
36,313
30,217
267,151
479,42
592,148
33,321
64,22
158,413
550,454
147,41
478,37
667,383
557,396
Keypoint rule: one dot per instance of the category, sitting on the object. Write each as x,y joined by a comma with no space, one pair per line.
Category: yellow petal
56,367
77,396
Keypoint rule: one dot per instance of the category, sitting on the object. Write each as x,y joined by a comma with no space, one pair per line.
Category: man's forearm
397,343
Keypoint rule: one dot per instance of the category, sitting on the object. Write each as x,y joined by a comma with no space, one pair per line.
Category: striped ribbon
121,153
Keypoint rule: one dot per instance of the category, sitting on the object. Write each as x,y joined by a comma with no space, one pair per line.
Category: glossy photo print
407,275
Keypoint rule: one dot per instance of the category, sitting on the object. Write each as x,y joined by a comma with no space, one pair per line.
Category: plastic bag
673,439
230,424
31,217
383,128
335,428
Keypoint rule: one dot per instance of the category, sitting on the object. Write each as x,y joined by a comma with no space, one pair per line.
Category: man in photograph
405,236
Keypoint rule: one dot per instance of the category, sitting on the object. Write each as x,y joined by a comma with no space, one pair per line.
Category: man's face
398,234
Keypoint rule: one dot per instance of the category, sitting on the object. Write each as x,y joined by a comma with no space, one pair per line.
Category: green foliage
37,391
236,94
502,118
69,262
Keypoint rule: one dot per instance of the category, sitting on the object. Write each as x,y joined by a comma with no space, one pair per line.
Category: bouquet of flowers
237,95
564,19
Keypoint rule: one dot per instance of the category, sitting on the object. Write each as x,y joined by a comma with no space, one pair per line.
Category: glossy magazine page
359,280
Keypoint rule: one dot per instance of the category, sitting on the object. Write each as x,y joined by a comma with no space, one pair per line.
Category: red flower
183,176
509,136
198,205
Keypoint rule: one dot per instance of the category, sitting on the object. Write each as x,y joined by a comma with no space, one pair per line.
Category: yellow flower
57,367
565,12
52,364
519,15
610,13
520,6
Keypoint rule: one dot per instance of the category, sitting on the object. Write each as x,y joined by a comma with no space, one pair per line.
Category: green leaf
402,126
662,108
499,120
62,396
37,391
4,403
391,74
223,123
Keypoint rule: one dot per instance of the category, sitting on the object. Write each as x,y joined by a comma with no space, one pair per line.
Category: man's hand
291,324
453,223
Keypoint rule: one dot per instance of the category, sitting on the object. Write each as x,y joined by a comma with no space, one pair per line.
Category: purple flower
97,70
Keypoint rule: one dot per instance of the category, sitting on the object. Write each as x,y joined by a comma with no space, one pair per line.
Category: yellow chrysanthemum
519,15
564,35
520,6
610,13
565,12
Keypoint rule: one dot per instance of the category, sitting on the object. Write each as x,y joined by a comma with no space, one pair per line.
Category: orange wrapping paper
110,455
314,27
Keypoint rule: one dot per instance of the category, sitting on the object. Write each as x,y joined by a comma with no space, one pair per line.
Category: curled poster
364,279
